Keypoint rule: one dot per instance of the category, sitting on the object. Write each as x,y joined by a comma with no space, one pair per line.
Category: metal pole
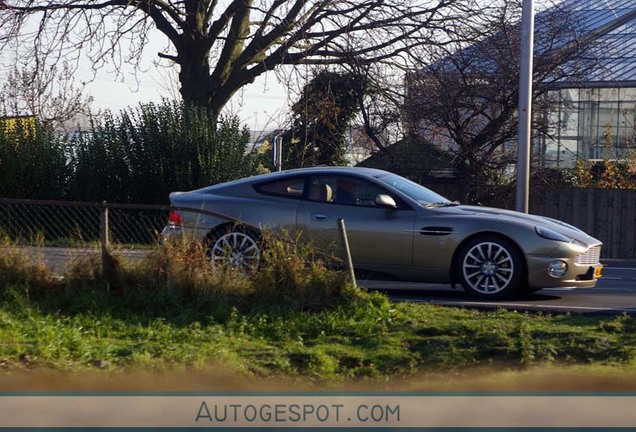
103,236
525,106
347,250
278,153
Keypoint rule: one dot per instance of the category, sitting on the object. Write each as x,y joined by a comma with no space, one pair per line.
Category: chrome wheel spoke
501,278
494,283
472,275
505,259
474,258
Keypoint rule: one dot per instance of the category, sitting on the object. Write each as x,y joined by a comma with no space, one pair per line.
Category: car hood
523,218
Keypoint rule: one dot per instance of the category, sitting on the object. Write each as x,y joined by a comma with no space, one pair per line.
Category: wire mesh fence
61,233
65,234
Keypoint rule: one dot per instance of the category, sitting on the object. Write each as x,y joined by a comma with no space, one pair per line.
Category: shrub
19,269
291,277
143,154
33,161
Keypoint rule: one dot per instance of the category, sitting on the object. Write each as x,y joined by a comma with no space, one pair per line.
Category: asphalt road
614,293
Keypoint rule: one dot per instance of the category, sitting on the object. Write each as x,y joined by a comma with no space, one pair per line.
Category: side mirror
385,201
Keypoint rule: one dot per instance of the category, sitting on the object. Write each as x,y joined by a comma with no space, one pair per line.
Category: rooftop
612,23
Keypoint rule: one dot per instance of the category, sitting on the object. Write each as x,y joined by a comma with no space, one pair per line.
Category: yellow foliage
614,174
12,124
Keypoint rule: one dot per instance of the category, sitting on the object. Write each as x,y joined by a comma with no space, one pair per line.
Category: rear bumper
171,232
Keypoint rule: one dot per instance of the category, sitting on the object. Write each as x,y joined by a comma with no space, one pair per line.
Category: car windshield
419,193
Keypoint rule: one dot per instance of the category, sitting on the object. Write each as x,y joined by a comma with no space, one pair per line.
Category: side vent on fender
436,231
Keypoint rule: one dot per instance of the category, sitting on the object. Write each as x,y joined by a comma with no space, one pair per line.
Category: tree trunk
197,88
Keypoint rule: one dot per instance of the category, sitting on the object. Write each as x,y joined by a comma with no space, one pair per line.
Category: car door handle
319,217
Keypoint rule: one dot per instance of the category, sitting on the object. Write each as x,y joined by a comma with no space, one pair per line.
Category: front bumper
577,275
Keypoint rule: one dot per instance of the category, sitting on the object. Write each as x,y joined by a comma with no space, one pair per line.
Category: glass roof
612,24
606,27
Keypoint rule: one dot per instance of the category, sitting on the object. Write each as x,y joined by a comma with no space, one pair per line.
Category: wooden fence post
103,237
347,250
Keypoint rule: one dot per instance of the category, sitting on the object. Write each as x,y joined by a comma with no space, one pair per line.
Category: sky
260,105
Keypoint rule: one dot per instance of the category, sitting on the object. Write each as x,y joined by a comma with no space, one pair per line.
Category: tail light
174,219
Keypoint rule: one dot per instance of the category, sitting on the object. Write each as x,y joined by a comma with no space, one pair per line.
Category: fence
607,214
62,233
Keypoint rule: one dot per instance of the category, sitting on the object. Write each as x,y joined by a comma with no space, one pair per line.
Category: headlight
552,235
557,269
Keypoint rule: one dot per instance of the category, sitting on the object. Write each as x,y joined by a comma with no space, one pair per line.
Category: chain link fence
62,233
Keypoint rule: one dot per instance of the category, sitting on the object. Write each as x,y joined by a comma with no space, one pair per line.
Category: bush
33,161
17,269
291,277
144,154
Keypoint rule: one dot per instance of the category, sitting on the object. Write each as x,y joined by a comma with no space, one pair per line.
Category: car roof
328,170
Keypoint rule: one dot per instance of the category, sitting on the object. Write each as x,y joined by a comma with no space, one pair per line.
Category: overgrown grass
294,321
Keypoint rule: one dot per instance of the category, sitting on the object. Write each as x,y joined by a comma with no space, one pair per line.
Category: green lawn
295,323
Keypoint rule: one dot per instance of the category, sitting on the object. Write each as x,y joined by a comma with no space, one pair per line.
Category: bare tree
222,46
51,94
465,98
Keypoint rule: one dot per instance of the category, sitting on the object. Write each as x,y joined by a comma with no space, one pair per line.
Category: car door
380,238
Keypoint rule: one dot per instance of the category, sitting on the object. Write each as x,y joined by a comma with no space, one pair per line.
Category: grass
293,324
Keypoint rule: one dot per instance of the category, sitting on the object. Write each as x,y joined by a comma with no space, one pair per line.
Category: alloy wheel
488,268
236,250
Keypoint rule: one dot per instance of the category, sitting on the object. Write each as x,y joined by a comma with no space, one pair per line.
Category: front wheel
235,248
491,267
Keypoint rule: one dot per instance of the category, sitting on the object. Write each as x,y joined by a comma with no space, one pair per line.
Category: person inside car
346,192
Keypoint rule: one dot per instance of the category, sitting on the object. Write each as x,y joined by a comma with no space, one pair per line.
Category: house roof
608,25
414,159
612,24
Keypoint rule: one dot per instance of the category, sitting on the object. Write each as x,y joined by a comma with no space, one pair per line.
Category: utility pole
525,106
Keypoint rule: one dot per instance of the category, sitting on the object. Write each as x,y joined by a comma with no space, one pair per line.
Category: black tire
235,247
491,267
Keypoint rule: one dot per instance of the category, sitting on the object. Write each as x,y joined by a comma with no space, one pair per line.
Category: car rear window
287,187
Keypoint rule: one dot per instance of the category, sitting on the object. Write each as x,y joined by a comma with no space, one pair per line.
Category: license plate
598,272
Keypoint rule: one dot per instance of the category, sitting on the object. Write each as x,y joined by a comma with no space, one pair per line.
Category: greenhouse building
597,113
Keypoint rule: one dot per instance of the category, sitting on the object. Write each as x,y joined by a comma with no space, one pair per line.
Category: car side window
320,189
344,190
293,188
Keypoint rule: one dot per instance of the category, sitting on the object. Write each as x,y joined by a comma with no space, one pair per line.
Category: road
614,293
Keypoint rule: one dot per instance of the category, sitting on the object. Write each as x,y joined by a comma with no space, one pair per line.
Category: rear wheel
235,248
491,267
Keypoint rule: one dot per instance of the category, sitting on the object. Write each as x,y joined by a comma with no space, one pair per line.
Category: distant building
600,106
605,100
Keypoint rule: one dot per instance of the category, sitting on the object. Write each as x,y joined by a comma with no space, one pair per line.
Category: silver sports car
396,228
